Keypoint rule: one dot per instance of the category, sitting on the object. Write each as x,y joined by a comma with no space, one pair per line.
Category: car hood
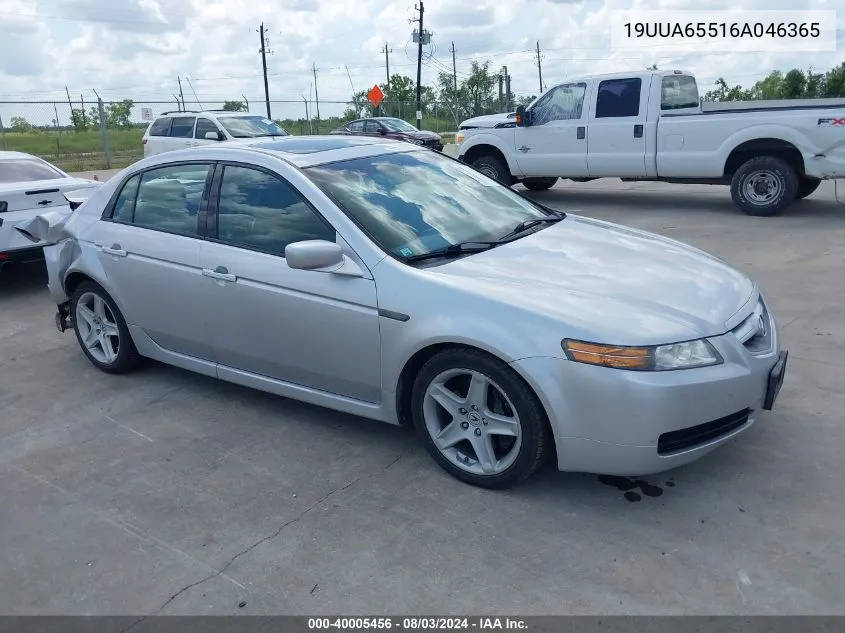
621,285
487,121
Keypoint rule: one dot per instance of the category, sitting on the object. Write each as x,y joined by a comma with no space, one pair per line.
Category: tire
763,186
494,167
516,439
806,187
539,184
102,316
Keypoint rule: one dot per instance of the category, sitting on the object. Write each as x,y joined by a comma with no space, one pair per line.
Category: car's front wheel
539,184
494,167
478,419
101,330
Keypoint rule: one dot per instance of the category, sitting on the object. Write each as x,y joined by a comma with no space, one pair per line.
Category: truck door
616,144
555,144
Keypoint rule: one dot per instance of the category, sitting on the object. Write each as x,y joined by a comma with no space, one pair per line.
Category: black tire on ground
494,167
806,187
127,357
539,184
536,438
776,170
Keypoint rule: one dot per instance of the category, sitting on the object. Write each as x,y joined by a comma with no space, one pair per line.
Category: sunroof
306,145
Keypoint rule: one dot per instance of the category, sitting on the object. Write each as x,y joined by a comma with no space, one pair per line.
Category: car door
157,137
203,127
555,144
374,128
149,246
617,141
309,328
181,132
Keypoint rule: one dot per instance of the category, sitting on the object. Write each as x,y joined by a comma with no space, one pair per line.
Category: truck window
678,91
618,98
561,103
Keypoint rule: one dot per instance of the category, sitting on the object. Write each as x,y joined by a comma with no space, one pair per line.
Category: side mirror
521,117
382,131
314,255
213,136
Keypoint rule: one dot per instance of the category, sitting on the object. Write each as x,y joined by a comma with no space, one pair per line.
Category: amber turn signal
618,356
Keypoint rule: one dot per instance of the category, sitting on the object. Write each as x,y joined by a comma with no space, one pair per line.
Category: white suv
178,130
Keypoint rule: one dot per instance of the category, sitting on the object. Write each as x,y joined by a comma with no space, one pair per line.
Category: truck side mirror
522,119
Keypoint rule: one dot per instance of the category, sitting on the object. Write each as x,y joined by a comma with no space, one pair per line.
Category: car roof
177,113
302,151
10,155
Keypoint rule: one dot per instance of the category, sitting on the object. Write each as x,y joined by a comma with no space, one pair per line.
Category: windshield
251,126
679,91
418,202
398,125
25,170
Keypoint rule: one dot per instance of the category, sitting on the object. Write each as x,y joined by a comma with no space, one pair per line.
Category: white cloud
137,48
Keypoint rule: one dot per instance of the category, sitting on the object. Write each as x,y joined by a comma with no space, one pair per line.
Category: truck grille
755,331
693,436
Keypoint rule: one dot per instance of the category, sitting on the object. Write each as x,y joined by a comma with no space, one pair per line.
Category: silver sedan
387,281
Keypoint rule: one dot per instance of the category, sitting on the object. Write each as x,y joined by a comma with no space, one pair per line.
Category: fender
774,131
500,138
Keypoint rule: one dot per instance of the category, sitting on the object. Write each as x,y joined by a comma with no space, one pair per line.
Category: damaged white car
29,187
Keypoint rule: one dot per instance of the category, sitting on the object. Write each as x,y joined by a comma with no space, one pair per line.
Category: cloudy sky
137,48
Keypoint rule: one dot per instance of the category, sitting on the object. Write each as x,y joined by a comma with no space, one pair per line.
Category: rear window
182,127
678,91
160,127
23,170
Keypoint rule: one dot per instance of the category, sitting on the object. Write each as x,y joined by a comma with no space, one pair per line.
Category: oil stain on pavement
629,486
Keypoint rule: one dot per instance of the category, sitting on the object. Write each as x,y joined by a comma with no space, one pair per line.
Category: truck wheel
494,167
764,186
539,184
806,187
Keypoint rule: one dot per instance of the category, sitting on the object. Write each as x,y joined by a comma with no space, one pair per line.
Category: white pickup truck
650,126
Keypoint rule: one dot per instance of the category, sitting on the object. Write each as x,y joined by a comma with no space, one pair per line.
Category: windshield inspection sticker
406,252
831,122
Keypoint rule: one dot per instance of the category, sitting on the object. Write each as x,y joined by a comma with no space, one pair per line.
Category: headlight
417,141
686,355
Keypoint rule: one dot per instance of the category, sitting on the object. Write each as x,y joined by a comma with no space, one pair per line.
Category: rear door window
182,127
356,127
618,98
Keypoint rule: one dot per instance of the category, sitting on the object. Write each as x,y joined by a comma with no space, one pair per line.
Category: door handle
115,250
581,132
221,273
638,131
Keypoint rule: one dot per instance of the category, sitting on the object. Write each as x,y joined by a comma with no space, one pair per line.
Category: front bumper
618,422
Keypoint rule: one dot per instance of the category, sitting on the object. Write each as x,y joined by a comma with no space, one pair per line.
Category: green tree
525,100
20,124
724,93
234,106
119,113
79,119
834,82
478,90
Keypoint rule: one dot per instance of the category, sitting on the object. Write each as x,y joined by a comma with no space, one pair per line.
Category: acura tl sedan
391,282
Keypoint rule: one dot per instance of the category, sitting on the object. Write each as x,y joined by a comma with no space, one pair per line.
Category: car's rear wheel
764,186
806,187
539,184
478,419
494,167
101,330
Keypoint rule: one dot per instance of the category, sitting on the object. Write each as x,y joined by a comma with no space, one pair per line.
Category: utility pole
540,66
454,72
179,79
316,97
420,39
264,44
508,107
501,89
387,52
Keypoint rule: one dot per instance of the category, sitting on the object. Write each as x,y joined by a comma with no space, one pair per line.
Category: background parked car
179,130
391,127
30,186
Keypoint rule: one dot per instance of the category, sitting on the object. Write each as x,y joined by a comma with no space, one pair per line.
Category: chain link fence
89,135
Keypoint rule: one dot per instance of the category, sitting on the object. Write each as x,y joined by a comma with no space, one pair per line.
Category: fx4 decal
840,121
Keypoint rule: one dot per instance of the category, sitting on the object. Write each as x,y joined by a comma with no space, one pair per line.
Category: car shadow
19,280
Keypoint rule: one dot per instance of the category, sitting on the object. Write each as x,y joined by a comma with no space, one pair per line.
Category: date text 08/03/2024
417,624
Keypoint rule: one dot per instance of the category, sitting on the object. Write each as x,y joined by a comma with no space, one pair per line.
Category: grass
83,151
